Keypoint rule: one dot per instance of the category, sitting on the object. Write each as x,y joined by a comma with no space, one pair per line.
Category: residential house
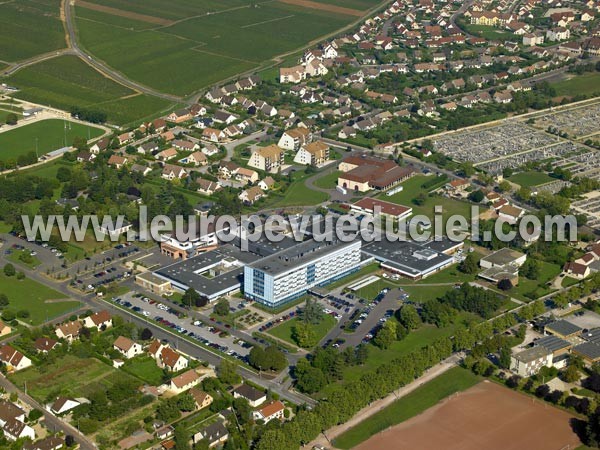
224,117
166,154
576,270
207,187
64,404
101,320
85,157
128,348
117,161
558,34
138,168
69,330
124,138
273,410
251,195
148,148
171,172
13,359
269,159
247,176
179,116
295,138
252,395
227,169
171,360
185,146
294,74
266,183
49,443
215,434
4,329
197,158
314,154
14,429
44,344
510,214
184,381
213,134
100,145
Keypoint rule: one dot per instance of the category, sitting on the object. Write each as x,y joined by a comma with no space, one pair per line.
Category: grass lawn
284,331
50,135
424,397
145,369
363,272
328,181
69,376
298,194
490,33
42,302
529,179
548,271
67,81
568,281
15,257
588,83
413,187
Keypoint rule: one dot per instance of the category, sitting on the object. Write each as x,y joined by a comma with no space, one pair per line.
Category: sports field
485,416
30,27
67,81
190,45
51,134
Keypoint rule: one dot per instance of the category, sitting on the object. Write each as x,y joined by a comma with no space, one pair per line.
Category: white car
146,313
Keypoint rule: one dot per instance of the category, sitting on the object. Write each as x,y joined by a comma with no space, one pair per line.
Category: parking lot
202,332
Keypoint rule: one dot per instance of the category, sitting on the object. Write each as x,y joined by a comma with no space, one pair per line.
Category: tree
505,284
181,438
69,440
186,402
571,374
9,270
530,269
312,313
386,335
190,297
304,335
513,381
227,372
3,300
476,196
468,265
146,334
12,119
409,317
222,307
505,186
542,390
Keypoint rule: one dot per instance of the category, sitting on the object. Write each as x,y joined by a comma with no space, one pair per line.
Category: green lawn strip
529,179
15,257
424,397
328,181
369,269
43,303
568,282
284,331
47,135
145,369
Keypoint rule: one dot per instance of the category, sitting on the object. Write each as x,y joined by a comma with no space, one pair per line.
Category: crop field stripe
233,58
267,21
324,7
128,14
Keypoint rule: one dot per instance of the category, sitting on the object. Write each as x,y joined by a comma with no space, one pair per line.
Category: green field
30,27
529,179
586,84
67,81
412,188
42,302
490,33
50,135
68,376
284,331
328,181
195,49
422,398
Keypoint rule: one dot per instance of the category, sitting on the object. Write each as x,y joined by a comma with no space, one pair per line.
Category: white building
290,273
530,361
128,348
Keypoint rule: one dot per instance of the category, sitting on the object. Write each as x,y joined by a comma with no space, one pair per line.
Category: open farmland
67,81
50,135
485,416
197,44
28,28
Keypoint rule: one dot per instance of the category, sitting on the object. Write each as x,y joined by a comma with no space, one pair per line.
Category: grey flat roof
563,327
592,335
590,350
187,273
503,256
413,258
301,253
531,354
552,343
